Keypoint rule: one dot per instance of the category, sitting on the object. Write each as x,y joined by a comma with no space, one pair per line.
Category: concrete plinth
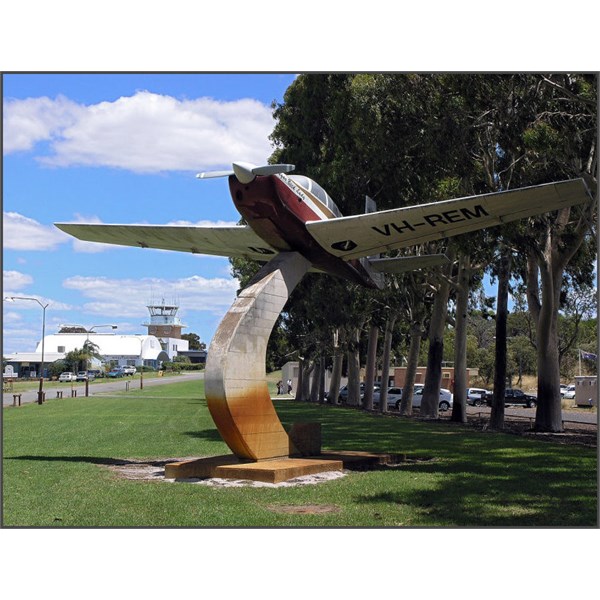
278,469
268,471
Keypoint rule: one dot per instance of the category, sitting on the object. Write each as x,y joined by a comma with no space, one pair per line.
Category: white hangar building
118,349
162,343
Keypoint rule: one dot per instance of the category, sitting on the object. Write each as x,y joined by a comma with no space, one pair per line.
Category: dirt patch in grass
154,470
303,509
144,470
580,434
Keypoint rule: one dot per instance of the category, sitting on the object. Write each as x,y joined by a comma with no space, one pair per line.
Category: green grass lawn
56,458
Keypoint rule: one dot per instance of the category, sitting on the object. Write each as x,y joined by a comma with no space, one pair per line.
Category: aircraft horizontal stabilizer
246,172
402,264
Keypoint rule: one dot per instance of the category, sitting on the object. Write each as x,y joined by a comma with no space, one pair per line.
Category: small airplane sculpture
294,226
292,213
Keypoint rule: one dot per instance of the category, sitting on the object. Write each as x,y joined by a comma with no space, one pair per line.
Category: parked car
117,372
93,373
343,395
446,398
129,370
569,392
81,376
476,396
67,376
515,396
395,397
563,389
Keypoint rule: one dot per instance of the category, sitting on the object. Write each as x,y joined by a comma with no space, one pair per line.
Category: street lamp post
88,331
44,307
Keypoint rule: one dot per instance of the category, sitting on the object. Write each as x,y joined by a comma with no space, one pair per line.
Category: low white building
115,349
118,349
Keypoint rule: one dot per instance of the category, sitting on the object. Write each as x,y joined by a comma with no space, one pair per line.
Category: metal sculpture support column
235,379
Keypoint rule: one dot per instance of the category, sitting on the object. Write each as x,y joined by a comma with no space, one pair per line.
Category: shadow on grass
211,435
477,478
95,460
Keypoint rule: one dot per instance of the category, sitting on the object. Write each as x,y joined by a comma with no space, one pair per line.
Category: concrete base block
306,438
267,471
277,470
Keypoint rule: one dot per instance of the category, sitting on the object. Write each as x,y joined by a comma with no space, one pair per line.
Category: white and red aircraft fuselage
278,207
292,213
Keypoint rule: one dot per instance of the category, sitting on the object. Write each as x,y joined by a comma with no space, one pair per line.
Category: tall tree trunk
371,367
433,377
316,377
308,367
558,247
336,371
548,415
497,414
354,369
321,397
416,335
300,382
459,409
385,367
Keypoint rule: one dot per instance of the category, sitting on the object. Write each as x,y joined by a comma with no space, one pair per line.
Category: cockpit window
316,190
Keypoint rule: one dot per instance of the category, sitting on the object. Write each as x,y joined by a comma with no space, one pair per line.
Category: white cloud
11,317
53,305
128,298
29,121
145,132
15,280
23,233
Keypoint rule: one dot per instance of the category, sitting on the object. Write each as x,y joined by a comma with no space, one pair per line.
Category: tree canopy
406,139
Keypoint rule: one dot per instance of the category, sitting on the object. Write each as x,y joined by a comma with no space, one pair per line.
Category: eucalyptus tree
559,142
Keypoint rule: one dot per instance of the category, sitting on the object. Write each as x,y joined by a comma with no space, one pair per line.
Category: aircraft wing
373,233
238,241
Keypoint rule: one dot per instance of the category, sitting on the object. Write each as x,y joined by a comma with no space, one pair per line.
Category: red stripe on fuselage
278,216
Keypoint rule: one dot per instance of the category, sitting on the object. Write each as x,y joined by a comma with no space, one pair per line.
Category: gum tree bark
433,377
545,268
336,371
416,335
371,367
354,369
459,409
497,414
385,367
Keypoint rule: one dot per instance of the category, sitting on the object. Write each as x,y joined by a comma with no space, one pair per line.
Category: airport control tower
164,322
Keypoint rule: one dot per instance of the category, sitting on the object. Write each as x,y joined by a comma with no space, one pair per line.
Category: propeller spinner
246,172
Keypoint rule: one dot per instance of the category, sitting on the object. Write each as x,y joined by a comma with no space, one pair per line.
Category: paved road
114,385
576,416
118,385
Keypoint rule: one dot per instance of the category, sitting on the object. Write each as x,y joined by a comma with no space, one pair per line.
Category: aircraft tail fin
370,205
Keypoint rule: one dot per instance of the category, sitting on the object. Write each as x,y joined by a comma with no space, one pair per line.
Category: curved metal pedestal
235,385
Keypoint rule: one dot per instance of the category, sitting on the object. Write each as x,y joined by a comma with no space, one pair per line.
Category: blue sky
121,148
